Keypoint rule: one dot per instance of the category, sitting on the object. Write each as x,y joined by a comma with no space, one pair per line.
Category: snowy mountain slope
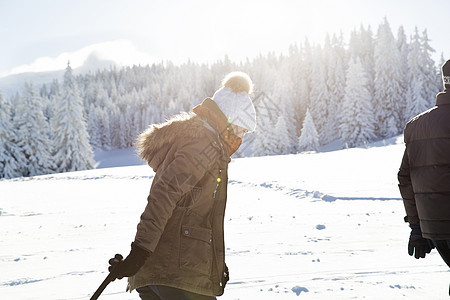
11,84
314,226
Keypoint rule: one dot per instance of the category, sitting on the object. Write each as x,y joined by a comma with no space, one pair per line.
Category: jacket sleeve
190,164
406,190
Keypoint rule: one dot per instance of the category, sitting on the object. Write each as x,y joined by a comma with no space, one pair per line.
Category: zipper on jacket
214,208
213,211
218,183
222,275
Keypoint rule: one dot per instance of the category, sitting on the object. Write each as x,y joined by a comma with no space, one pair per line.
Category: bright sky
45,34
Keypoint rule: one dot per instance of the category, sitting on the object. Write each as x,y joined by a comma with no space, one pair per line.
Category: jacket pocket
196,249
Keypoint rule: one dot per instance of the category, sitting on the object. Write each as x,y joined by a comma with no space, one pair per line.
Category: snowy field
307,226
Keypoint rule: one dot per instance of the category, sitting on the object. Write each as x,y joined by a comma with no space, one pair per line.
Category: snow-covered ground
315,226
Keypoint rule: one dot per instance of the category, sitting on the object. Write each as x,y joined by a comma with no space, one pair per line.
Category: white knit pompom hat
234,101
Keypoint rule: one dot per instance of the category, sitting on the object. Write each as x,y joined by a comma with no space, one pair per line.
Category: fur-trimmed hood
153,144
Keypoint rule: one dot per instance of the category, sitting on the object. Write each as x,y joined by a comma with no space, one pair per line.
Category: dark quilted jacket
424,175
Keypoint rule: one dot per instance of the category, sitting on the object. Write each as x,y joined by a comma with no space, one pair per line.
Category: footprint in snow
298,290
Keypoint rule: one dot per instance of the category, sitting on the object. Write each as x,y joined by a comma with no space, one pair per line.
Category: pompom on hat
446,74
234,101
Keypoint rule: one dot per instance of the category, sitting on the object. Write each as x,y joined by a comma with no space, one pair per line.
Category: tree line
355,92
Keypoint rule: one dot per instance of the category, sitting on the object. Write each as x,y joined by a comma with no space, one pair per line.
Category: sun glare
248,28
206,31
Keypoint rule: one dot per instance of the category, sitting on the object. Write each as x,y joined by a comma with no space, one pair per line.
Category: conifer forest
355,90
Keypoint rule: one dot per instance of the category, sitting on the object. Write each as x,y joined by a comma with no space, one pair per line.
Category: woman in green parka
179,251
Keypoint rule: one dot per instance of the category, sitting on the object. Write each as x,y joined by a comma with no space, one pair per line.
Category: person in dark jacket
424,177
179,251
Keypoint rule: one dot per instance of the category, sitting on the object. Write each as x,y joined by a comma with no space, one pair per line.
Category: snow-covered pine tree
416,101
137,123
93,126
282,95
367,58
258,139
293,62
54,89
71,140
282,139
387,83
266,113
122,130
309,139
335,82
105,130
116,134
128,113
432,87
264,73
12,160
319,96
357,123
301,103
32,131
133,116
46,102
403,48
101,134
307,61
103,100
298,73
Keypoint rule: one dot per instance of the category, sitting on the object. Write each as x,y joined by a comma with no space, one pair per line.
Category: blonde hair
238,82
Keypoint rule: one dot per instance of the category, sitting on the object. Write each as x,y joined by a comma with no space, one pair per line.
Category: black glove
418,245
131,265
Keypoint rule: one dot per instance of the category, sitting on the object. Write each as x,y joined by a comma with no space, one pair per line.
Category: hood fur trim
158,136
